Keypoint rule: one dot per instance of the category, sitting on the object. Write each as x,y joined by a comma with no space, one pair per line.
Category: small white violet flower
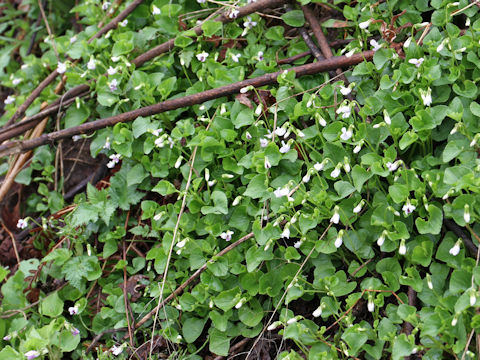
336,172
105,5
156,10
370,305
227,235
236,57
339,239
267,163
9,100
345,110
381,239
416,62
426,96
263,142
365,24
91,65
359,207
336,216
124,23
113,85
73,310
473,297
202,56
318,311
386,117
429,282
61,67
286,232
16,81
274,325
233,14
280,192
112,70
455,250
116,350
402,250
408,208
345,90
466,213
32,354
260,56
75,331
239,304
22,223
375,45
285,147
318,166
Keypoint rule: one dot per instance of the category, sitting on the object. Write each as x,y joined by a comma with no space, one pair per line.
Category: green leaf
434,223
183,41
251,313
344,188
210,27
243,118
192,328
220,204
76,115
219,343
422,253
257,187
360,176
294,18
52,305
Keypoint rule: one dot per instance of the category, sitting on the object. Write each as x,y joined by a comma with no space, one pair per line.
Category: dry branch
14,147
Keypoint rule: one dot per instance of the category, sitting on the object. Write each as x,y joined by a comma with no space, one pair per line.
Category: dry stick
234,348
140,60
320,36
14,147
195,275
49,31
14,243
97,338
47,81
125,295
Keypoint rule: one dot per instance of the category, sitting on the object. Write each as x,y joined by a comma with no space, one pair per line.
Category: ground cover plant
200,179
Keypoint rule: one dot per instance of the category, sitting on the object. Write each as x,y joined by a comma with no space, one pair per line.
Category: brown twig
14,147
235,348
14,243
125,294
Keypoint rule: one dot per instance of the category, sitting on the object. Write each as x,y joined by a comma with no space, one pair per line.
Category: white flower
286,233
376,46
61,67
318,166
260,56
248,136
267,163
115,58
111,70
441,46
233,14
350,53
473,297
466,213
454,320
201,1
426,96
22,223
245,89
156,10
178,162
124,23
402,250
370,305
455,250
416,62
345,90
116,350
347,167
16,81
392,166
386,117
227,235
91,64
105,5
10,99
345,110
235,58
113,85
474,140
273,325
239,304
336,172
249,23
259,109
381,239
298,244
359,207
32,354
280,131
321,120
73,310
365,24
202,56
336,216
76,137
280,192
306,178
407,42
263,142
114,159
429,282
357,148
408,208
292,320
73,39
7,338
285,147
299,133
318,311
236,201
339,239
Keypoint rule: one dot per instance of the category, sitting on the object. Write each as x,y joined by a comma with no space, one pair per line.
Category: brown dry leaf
244,99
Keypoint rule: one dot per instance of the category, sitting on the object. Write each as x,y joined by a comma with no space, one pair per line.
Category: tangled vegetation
316,213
